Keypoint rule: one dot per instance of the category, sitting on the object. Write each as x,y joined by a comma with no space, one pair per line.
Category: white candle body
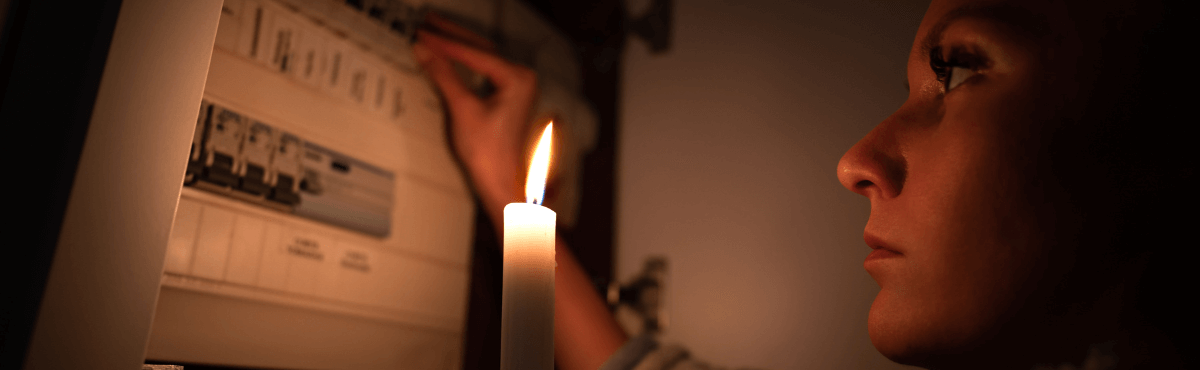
527,319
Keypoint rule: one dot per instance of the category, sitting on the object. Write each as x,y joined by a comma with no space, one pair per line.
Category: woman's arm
489,137
585,333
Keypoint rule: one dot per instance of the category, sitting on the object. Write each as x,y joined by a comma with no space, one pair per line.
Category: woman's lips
880,250
881,253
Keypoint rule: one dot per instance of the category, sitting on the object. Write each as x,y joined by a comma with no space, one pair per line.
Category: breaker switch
253,181
221,171
285,190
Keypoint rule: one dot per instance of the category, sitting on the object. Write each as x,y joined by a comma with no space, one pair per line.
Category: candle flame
539,167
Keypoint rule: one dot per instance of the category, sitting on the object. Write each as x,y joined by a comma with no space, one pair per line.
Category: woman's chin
887,334
912,331
904,332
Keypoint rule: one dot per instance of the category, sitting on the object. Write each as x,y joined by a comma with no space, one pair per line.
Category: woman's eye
953,70
957,76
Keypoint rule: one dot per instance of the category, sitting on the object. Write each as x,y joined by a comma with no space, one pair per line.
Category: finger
502,73
449,28
458,97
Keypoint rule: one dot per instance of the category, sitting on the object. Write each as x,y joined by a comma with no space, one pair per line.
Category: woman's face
969,225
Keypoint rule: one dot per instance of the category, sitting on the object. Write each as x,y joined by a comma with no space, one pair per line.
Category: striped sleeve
645,353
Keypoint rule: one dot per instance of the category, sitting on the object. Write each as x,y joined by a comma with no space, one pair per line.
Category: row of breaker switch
235,152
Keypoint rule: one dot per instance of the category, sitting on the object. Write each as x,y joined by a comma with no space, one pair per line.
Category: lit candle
527,321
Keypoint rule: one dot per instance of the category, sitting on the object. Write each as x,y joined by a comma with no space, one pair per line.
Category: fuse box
324,222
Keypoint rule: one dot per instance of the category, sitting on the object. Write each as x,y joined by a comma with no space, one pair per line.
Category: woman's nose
874,167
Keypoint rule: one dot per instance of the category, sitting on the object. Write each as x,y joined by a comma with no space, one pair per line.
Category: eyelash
944,68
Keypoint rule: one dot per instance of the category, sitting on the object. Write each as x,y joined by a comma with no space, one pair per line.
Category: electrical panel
323,222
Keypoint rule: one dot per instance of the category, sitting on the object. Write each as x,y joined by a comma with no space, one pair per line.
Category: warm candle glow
539,167
527,297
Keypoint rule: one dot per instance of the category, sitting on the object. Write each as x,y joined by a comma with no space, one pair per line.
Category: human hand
490,136
489,133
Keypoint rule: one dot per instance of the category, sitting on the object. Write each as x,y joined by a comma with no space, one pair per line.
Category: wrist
495,189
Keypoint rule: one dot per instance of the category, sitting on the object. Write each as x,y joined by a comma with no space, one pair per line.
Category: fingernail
422,53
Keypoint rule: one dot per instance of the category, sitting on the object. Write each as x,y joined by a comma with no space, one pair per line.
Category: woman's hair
1137,135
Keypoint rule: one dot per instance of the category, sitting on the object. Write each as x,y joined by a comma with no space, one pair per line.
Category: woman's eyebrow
1019,19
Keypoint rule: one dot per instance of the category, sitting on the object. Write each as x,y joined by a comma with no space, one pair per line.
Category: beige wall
726,166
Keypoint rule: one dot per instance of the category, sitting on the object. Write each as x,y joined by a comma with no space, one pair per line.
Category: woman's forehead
1030,18
1039,25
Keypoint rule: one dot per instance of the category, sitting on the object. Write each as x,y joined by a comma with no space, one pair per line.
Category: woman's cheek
959,265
